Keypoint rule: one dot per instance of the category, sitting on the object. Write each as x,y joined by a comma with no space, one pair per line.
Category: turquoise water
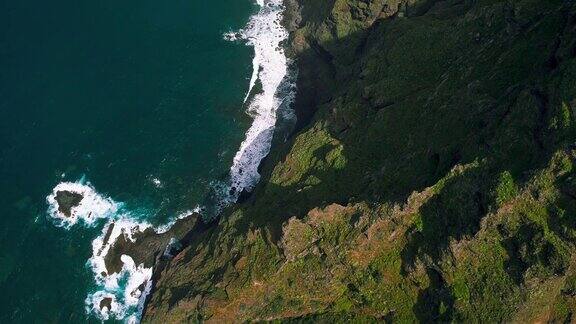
142,98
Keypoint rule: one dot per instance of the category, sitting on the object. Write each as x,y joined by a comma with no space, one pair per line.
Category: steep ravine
430,176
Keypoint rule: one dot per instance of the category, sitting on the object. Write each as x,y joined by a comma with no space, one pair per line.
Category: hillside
430,176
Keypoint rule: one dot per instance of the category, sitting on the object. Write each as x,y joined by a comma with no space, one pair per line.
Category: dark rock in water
139,290
244,195
106,302
107,237
67,200
142,286
148,244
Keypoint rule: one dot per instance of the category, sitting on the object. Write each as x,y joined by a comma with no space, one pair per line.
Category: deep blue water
121,93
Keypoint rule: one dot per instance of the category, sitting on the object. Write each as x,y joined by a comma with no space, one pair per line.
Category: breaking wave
121,295
91,207
118,295
270,68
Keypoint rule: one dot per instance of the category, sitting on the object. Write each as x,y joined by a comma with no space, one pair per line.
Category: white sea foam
92,207
93,305
157,183
164,228
127,290
124,286
139,277
101,245
270,66
124,289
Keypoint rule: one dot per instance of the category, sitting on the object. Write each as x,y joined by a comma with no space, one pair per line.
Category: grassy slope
431,178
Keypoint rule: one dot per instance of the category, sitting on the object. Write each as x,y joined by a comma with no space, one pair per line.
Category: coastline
365,214
132,250
368,209
290,20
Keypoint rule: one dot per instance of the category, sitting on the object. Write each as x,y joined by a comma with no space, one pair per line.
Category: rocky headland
430,176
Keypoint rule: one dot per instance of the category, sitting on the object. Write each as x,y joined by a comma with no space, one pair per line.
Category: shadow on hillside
451,215
415,99
397,144
435,304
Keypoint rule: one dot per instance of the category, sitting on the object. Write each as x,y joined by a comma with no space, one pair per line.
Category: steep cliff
430,177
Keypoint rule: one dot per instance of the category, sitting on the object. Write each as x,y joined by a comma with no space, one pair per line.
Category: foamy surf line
121,295
270,66
117,295
73,202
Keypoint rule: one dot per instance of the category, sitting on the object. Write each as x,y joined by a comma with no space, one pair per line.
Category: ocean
147,109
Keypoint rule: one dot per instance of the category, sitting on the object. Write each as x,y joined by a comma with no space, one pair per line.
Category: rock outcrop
67,200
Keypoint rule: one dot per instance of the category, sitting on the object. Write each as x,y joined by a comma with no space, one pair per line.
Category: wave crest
266,34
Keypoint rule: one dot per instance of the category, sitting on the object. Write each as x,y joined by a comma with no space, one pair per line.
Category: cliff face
431,176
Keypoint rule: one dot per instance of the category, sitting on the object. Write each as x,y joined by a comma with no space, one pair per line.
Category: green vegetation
431,177
506,189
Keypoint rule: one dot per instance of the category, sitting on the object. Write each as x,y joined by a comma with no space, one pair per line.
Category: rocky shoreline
148,245
428,178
